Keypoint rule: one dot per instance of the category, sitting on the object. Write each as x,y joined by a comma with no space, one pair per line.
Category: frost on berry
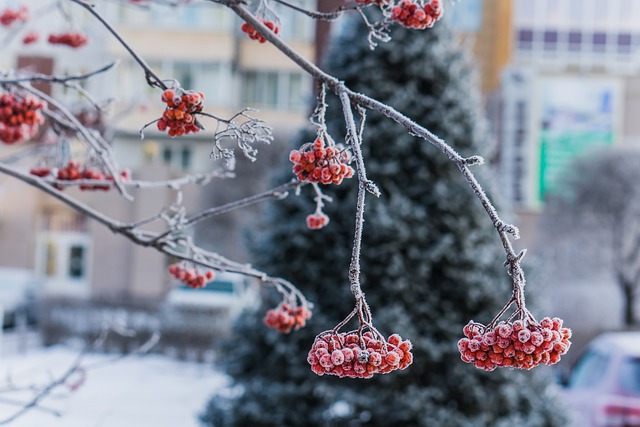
254,35
520,345
72,39
416,14
354,356
179,116
286,317
20,117
192,277
317,220
314,162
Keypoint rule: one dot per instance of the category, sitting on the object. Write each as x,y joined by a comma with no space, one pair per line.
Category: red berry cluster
285,318
9,16
74,40
73,171
342,355
515,345
30,38
412,15
179,116
19,117
191,276
41,172
317,220
315,163
254,35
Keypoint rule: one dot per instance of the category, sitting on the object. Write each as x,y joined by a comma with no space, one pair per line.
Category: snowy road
148,390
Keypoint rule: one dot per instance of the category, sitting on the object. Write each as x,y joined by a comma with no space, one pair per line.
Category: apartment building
201,46
572,86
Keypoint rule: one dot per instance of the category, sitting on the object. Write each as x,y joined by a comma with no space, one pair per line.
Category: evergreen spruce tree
431,261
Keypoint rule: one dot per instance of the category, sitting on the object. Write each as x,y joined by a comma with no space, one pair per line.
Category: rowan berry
317,221
517,345
315,163
71,39
179,115
254,35
285,318
348,358
192,277
415,15
30,38
9,16
20,117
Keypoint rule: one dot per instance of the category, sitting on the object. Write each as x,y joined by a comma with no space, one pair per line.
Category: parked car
603,388
18,288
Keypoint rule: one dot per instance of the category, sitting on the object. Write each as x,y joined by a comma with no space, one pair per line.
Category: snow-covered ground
136,391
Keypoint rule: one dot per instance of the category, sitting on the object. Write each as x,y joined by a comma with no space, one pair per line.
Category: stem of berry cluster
347,96
354,138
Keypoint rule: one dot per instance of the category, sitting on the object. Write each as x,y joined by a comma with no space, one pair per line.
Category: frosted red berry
30,38
179,115
72,39
349,355
317,221
9,16
285,318
192,277
315,163
518,345
412,14
20,117
254,35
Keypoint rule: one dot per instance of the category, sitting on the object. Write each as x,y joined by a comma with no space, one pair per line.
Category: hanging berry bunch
519,344
72,39
416,14
522,343
285,317
87,176
20,117
195,277
180,115
314,162
254,35
265,15
358,356
360,353
293,311
9,16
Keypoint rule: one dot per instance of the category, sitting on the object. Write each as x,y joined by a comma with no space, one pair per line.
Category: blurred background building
559,78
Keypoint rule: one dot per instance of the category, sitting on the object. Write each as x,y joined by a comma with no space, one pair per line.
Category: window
629,375
624,43
589,371
599,42
575,40
211,78
525,39
177,156
550,40
277,90
190,16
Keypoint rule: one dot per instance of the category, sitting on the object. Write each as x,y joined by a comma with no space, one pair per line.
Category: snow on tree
428,263
597,203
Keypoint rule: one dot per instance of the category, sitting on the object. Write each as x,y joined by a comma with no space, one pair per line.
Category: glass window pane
589,371
76,261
